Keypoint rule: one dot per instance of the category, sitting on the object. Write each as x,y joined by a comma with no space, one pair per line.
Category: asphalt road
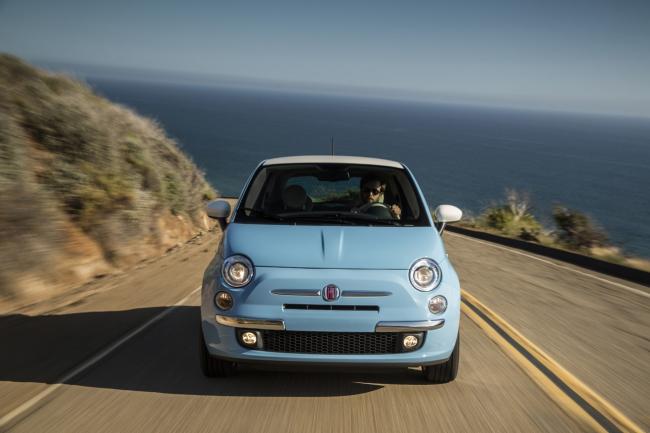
152,382
596,326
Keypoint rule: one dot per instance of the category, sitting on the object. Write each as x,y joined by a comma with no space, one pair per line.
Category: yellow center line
564,388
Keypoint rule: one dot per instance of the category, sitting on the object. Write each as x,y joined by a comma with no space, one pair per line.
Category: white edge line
9,417
514,251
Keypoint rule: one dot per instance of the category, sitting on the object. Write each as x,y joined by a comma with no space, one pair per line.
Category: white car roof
334,159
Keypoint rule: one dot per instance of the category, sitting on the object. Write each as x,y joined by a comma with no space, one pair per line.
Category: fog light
438,304
249,338
223,300
410,341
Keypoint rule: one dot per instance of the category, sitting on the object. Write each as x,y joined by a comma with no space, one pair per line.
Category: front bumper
262,306
222,342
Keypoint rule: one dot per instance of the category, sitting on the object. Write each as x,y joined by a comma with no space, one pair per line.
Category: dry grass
70,156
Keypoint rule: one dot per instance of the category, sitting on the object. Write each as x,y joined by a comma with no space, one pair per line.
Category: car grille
331,342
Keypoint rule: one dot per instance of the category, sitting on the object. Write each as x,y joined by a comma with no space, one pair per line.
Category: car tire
211,366
447,371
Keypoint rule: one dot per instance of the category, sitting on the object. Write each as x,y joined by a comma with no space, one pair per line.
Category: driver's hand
396,211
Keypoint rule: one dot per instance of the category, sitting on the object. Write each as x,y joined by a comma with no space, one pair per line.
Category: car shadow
164,358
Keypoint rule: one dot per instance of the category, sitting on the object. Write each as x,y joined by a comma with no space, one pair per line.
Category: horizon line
216,80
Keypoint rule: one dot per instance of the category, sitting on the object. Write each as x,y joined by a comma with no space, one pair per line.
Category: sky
590,56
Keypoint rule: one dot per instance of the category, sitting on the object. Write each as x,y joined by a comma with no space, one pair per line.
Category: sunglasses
373,191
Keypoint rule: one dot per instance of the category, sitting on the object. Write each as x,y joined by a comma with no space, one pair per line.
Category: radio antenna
332,145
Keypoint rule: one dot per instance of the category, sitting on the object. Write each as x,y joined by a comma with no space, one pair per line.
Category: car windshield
334,194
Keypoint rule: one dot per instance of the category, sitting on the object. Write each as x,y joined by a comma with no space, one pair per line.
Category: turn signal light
223,301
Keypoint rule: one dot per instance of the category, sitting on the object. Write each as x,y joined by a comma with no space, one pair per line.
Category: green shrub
576,230
347,196
512,217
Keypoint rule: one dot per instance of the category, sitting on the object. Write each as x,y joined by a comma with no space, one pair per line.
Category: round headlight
237,271
425,275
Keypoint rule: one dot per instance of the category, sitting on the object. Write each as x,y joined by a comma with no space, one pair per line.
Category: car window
337,194
329,191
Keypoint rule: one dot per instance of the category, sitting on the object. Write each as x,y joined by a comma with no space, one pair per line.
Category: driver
372,191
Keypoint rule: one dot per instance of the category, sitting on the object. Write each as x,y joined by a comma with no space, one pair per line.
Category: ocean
461,155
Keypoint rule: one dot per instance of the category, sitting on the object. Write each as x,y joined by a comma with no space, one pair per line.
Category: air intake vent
331,307
331,342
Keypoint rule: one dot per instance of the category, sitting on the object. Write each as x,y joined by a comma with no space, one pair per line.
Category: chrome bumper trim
422,325
244,322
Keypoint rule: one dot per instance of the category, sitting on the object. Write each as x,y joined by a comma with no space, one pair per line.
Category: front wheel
211,366
447,371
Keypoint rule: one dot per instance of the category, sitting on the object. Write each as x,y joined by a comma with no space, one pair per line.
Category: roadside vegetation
513,216
84,180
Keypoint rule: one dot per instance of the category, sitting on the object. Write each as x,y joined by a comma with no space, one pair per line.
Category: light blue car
331,260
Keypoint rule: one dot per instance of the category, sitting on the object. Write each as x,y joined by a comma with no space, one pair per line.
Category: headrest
294,197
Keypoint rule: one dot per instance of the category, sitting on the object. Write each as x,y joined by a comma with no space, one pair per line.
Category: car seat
295,198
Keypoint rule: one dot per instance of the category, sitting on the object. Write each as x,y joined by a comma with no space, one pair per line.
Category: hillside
87,187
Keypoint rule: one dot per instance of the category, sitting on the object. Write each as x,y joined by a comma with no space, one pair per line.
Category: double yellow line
569,392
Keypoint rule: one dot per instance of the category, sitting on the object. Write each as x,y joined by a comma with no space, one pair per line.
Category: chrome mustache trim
364,294
344,293
295,292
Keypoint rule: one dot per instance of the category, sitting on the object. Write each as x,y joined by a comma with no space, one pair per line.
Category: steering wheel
380,210
367,206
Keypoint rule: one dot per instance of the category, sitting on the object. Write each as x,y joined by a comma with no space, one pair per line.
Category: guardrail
591,263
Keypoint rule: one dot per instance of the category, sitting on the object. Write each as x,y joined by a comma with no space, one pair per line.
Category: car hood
340,247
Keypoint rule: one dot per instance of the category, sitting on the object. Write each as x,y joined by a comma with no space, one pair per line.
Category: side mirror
219,210
446,213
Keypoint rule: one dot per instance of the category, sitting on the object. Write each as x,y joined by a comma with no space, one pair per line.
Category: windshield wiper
342,217
265,215
386,222
373,221
318,217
